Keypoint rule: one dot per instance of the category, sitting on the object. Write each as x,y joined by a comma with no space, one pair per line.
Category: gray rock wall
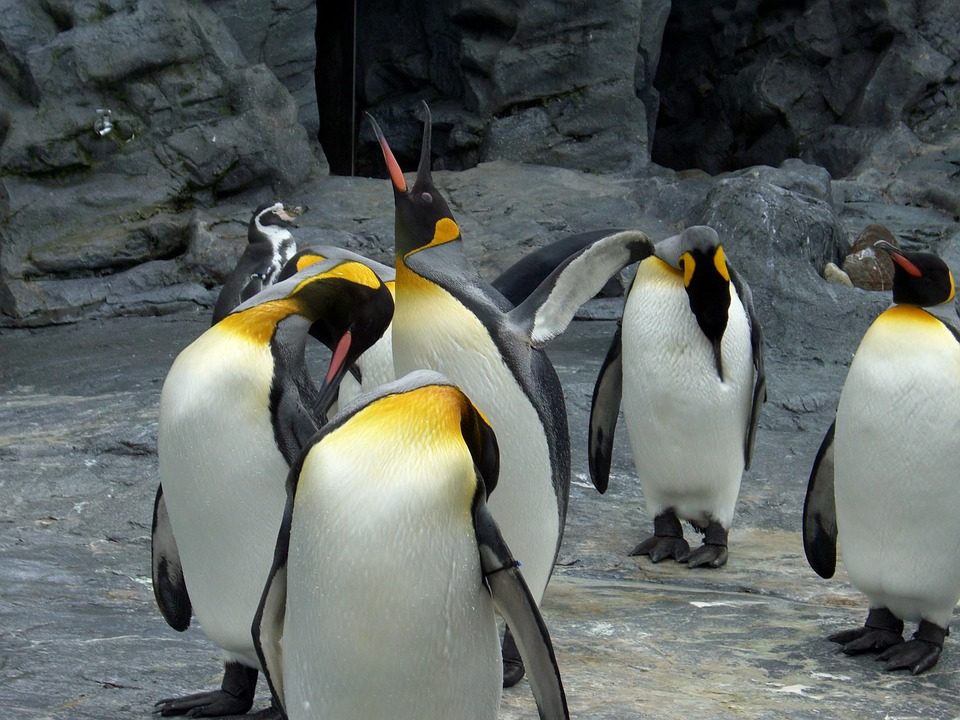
137,135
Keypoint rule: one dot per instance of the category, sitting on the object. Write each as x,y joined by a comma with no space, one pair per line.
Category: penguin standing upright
269,246
236,408
885,478
447,319
380,601
688,362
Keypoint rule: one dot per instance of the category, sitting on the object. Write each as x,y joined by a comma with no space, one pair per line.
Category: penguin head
919,278
698,253
423,218
273,221
343,303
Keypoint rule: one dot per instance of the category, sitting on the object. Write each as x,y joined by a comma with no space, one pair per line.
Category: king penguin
687,360
269,246
386,537
885,477
375,366
235,411
448,319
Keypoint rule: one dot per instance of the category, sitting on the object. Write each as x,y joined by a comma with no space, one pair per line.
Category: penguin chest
387,615
687,425
895,448
223,480
433,330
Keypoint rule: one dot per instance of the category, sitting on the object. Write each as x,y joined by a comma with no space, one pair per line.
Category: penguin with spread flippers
388,567
448,319
236,409
269,246
687,360
884,481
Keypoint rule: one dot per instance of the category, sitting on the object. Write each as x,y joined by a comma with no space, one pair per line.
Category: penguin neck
273,234
258,324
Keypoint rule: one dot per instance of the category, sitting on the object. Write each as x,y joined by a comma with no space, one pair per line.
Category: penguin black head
919,278
423,217
270,215
697,251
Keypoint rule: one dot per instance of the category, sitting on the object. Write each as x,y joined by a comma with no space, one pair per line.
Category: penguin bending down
374,367
885,477
236,409
269,246
447,319
388,567
687,359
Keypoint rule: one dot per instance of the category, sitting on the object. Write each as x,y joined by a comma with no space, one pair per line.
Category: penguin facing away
687,360
884,479
447,319
269,245
236,408
388,566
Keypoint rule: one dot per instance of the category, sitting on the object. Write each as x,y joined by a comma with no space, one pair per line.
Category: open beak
393,167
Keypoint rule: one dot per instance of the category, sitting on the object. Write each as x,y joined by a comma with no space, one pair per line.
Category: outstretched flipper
604,409
169,587
520,279
756,345
820,512
550,308
519,610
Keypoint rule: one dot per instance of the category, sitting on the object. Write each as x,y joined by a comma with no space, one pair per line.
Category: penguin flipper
268,621
514,601
517,281
759,374
550,308
169,587
604,409
820,512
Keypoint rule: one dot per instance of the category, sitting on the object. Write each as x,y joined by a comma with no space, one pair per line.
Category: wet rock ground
81,638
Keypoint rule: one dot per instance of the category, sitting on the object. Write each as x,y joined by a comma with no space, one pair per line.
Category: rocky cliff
137,135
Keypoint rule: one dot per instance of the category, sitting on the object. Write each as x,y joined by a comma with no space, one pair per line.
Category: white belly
896,442
687,427
436,332
223,482
387,617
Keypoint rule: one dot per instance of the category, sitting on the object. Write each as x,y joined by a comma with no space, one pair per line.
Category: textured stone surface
82,638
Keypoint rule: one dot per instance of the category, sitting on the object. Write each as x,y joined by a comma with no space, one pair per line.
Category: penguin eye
426,197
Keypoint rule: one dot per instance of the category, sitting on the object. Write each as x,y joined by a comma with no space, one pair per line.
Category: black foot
234,697
882,630
512,662
667,540
918,654
713,552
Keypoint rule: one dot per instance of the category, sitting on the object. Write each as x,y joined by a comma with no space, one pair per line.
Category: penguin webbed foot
513,669
666,541
659,548
918,654
713,552
881,631
235,696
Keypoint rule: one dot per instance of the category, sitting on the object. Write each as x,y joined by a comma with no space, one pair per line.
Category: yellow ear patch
445,231
354,272
720,262
308,260
688,264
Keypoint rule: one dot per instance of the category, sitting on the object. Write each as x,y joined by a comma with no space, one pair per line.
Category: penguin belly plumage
214,483
457,344
686,425
378,585
388,568
895,452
